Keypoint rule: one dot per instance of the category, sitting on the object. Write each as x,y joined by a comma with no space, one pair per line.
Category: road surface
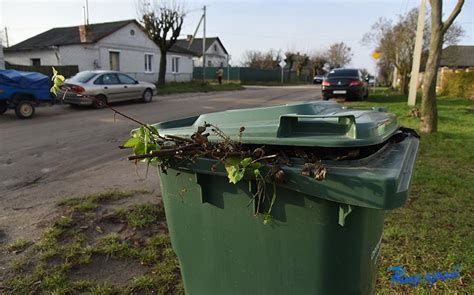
64,151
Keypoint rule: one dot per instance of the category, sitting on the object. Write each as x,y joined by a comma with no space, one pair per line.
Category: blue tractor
23,91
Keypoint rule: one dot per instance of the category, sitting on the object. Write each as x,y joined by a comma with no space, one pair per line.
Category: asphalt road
60,141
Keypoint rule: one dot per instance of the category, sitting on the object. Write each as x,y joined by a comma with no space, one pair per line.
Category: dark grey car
348,83
98,88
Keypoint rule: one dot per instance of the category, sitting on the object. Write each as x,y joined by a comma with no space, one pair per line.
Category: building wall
185,68
2,61
215,54
132,48
47,57
84,56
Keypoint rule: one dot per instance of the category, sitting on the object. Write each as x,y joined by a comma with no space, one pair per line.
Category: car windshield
342,73
83,77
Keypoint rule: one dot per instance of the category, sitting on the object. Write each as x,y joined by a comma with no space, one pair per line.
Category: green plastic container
325,237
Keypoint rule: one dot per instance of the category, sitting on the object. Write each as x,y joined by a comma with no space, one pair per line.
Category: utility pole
228,68
204,46
6,37
417,54
87,12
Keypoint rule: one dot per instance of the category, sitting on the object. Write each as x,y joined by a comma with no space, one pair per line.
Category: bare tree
260,60
317,61
290,61
338,55
301,62
429,109
162,22
396,42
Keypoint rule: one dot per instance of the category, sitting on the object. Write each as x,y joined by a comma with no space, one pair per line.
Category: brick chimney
83,33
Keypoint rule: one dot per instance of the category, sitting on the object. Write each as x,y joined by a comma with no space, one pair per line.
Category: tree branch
454,14
165,152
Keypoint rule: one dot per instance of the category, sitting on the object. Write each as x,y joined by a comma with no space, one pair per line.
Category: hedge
458,84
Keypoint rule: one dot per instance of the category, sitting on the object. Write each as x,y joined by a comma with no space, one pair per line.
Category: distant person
220,74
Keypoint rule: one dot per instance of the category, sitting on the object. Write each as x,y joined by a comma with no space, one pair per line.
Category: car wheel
100,101
147,95
25,109
3,108
325,97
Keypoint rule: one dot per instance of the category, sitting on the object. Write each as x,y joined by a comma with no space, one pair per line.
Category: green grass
18,245
142,215
71,242
91,202
434,230
196,86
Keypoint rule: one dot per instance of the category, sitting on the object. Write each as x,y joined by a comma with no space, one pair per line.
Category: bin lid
318,124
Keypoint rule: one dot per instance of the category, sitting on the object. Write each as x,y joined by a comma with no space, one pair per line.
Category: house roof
196,46
178,49
457,56
69,36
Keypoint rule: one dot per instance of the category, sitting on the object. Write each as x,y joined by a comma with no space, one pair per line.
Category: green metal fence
244,74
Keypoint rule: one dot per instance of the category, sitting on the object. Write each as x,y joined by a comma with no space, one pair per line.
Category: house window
209,63
175,65
148,63
35,62
215,48
114,59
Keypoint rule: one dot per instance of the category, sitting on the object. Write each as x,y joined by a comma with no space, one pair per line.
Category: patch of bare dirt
105,269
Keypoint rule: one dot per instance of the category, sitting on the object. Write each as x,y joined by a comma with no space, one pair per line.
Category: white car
98,88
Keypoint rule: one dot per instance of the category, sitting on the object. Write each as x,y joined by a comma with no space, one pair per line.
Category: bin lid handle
304,125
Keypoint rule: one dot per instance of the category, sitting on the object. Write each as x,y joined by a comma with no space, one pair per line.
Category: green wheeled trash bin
325,236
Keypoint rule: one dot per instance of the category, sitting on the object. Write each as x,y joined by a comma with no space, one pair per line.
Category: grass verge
94,250
434,231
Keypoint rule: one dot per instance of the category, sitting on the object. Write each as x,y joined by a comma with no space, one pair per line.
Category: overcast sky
303,26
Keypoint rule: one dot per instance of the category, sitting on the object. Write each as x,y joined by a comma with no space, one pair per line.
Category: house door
114,58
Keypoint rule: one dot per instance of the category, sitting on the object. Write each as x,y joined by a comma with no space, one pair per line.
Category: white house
216,54
121,46
2,61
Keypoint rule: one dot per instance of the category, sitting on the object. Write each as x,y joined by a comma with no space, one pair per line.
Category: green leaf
139,149
146,139
153,129
234,173
132,142
245,162
58,81
139,133
54,90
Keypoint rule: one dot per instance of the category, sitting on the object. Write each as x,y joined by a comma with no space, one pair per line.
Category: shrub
458,84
